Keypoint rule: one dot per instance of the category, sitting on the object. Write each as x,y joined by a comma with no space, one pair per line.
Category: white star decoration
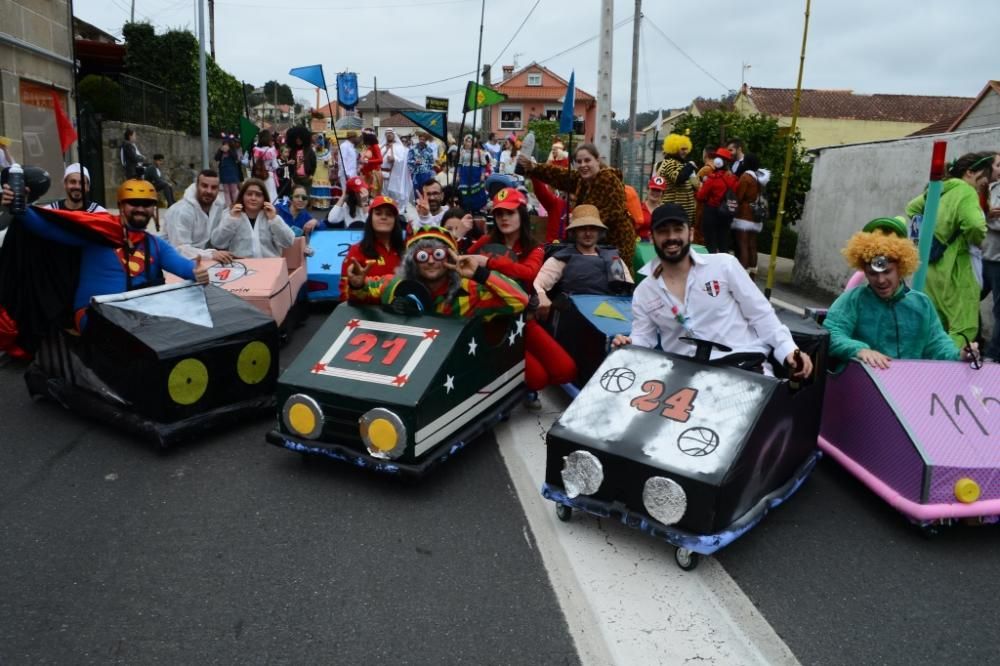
472,347
449,383
512,337
520,325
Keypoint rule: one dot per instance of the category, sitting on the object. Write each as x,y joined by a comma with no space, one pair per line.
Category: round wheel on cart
686,559
563,512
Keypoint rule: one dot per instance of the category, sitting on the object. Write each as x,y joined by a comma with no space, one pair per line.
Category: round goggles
423,256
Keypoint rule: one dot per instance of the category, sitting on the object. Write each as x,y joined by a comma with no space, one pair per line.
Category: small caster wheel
686,559
563,512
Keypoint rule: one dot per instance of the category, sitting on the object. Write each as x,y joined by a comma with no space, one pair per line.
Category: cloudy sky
687,49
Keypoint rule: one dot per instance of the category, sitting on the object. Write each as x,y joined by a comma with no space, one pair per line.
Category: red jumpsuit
545,361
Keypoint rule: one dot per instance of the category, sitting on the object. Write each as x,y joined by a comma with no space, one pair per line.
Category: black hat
669,212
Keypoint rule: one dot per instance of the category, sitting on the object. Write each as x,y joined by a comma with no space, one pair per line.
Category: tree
762,136
170,61
284,93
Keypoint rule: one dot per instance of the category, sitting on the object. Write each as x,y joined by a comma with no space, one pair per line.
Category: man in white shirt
704,296
348,153
429,206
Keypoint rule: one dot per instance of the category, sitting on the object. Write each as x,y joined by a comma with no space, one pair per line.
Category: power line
352,9
683,53
516,33
624,21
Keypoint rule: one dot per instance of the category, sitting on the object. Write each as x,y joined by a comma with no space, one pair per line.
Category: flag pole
776,236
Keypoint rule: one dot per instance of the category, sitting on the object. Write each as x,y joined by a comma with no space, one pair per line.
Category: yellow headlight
254,362
967,491
187,381
383,433
303,416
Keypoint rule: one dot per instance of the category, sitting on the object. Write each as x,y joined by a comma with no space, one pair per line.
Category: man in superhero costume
116,254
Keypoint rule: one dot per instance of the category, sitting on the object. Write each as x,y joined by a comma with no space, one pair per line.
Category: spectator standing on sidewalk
130,156
230,169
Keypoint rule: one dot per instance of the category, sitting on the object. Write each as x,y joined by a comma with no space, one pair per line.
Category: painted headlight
383,433
303,416
254,362
582,473
664,499
187,381
967,491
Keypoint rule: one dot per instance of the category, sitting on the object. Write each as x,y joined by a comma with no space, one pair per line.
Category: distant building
836,117
380,104
537,92
36,70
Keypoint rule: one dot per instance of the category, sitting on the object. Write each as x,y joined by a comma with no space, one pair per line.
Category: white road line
624,599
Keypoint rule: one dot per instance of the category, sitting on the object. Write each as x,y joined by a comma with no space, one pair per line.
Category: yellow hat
674,142
4,141
136,190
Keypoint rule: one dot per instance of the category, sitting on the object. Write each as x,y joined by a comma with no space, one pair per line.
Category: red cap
724,154
657,183
508,199
356,185
382,201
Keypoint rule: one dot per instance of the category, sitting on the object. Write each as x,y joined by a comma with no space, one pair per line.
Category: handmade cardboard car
330,247
923,435
686,449
398,393
164,363
271,284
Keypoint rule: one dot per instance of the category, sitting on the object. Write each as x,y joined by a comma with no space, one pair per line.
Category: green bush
101,95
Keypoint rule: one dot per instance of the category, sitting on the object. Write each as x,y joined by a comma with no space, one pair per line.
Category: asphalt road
844,579
234,551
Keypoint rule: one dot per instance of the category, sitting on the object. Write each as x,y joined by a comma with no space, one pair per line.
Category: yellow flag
605,309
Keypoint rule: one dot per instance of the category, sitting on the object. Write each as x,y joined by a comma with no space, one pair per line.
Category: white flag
659,120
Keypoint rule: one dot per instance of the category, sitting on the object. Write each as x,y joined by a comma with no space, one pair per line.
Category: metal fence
635,158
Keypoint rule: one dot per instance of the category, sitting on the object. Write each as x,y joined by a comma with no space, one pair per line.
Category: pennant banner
248,132
311,74
566,119
478,97
347,90
434,122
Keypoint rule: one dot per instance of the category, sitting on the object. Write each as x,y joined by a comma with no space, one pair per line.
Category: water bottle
15,180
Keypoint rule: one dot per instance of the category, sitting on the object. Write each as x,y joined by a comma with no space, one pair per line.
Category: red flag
67,133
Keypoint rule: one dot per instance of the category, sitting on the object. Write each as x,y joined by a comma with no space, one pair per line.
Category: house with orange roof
538,92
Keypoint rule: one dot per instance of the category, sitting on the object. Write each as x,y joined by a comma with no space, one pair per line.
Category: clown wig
864,246
674,142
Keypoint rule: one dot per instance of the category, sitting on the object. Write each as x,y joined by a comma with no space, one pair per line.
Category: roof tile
848,105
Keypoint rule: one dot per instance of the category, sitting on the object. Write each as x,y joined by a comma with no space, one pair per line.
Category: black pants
717,230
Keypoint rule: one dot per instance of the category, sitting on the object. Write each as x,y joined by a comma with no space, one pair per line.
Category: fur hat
674,142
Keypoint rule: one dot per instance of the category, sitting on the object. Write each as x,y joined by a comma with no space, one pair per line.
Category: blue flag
432,121
566,119
347,90
312,74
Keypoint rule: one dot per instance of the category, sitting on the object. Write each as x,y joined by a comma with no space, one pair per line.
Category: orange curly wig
864,246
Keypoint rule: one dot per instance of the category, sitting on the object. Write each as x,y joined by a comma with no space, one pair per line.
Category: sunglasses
140,203
300,197
423,256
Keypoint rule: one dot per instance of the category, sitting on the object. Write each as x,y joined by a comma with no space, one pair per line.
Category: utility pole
211,26
634,98
203,76
602,133
132,14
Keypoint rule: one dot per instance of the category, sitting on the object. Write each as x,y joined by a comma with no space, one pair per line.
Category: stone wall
182,155
857,183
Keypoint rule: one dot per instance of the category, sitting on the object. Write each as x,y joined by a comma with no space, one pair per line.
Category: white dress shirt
721,304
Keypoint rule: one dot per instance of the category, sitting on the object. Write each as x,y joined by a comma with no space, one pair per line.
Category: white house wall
854,184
